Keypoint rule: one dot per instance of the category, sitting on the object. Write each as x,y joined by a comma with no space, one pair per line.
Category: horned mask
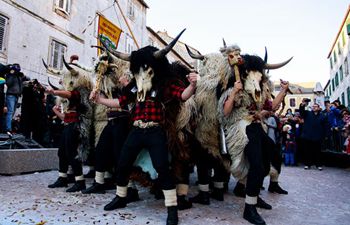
143,68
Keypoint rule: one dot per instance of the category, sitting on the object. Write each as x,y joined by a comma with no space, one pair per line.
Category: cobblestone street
315,198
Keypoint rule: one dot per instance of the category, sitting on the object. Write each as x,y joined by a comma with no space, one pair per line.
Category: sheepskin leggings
257,152
154,139
110,144
68,150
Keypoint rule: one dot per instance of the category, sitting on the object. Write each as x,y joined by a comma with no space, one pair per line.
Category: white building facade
338,86
32,30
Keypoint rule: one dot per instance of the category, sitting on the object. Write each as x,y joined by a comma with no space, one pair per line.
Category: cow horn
160,53
265,57
66,64
49,69
51,85
45,64
277,65
99,47
194,56
120,55
102,49
224,43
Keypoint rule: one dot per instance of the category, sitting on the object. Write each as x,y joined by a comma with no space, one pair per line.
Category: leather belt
143,125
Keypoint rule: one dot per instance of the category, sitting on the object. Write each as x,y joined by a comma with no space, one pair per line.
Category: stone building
300,91
31,30
338,86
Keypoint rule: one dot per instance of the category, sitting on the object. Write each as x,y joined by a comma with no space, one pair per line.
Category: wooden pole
127,24
237,76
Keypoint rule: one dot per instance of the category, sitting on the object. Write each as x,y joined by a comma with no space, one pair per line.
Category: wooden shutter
3,24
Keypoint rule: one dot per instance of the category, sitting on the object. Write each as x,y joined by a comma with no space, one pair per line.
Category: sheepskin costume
241,116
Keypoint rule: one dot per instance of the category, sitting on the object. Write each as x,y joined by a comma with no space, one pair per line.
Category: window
292,102
335,57
339,48
343,37
4,22
131,10
63,6
330,90
341,73
331,62
56,52
346,67
348,94
333,86
129,44
336,80
343,98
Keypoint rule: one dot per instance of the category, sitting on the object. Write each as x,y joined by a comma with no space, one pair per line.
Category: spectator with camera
315,125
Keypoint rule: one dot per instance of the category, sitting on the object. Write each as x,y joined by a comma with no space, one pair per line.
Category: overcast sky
304,29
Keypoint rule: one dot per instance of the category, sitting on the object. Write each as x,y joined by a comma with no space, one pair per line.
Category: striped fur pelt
207,126
235,129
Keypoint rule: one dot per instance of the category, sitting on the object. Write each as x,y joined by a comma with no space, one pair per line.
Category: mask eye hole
150,72
230,56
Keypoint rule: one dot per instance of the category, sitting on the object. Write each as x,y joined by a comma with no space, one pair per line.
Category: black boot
78,186
96,188
183,203
239,190
262,204
275,188
218,194
90,174
172,218
132,195
201,198
252,215
60,182
116,203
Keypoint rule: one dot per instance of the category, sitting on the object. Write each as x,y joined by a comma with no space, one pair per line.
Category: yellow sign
109,32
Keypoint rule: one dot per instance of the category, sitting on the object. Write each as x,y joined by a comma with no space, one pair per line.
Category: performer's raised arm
279,98
229,103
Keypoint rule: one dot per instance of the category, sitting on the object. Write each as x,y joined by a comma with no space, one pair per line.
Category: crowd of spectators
302,134
26,109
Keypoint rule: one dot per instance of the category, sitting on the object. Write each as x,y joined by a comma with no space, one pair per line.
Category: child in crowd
346,130
290,145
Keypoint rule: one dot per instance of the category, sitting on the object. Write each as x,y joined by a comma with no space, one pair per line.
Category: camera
307,100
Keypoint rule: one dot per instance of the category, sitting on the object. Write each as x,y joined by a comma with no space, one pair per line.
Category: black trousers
205,164
154,139
276,157
312,152
68,150
110,144
257,152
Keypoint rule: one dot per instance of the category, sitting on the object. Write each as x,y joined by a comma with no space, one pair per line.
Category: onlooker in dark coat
14,85
315,124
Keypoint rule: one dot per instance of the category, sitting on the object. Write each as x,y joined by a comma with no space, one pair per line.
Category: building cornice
143,3
340,29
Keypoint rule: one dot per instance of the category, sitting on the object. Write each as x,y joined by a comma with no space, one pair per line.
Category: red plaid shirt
152,109
72,116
